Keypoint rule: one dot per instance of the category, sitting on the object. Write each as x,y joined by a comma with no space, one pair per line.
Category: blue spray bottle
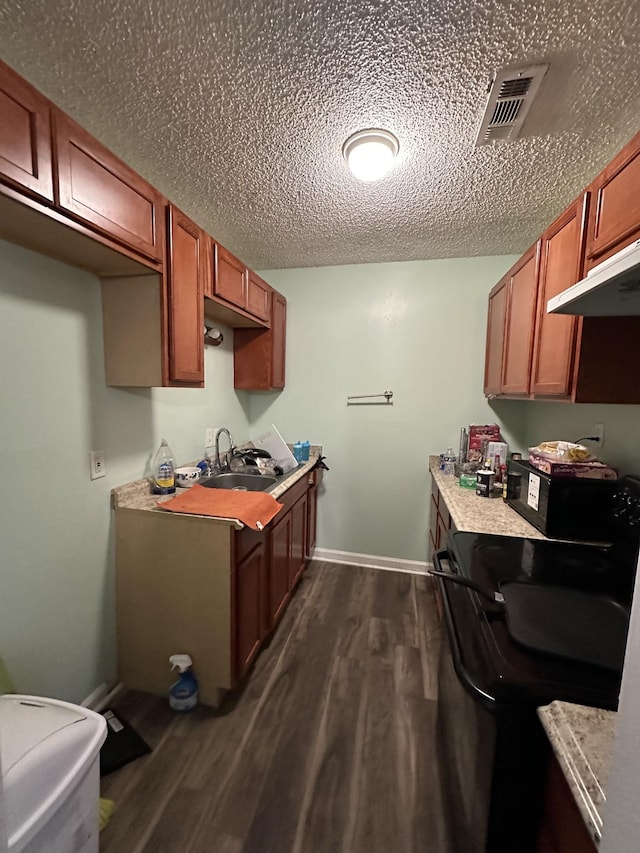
183,695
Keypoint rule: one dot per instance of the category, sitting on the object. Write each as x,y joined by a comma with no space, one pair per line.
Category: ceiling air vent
511,94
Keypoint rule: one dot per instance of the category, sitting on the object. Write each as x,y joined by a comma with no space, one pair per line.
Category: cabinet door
312,519
248,607
298,541
25,135
229,277
615,214
520,323
259,355
279,561
258,297
556,334
98,188
187,272
278,340
495,338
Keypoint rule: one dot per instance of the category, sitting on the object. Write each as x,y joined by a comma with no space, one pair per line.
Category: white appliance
610,289
274,443
49,752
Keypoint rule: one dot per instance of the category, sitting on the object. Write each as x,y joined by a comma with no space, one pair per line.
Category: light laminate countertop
480,515
582,740
138,495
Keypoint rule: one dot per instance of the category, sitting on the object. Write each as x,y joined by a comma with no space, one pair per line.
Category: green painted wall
56,607
417,328
550,421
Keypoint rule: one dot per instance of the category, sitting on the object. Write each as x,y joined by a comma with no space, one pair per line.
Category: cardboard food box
478,434
593,470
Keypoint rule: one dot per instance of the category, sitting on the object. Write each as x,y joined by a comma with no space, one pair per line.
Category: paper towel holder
213,336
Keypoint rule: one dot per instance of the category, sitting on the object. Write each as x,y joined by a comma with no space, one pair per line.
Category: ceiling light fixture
370,153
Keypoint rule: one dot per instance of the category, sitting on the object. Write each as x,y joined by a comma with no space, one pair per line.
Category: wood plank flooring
328,746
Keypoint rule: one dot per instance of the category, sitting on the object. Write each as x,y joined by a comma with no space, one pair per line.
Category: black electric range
495,666
491,744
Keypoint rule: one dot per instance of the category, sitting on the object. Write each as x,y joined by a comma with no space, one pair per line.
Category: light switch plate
97,465
209,437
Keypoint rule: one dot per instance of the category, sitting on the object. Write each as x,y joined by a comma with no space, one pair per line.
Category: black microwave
577,508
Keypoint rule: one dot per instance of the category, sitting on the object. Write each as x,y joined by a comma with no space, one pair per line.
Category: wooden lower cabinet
279,562
195,585
440,523
298,541
249,591
562,827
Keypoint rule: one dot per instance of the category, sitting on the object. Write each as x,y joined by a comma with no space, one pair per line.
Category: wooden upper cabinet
259,354
562,255
229,277
187,272
495,338
258,297
520,323
615,215
102,191
25,136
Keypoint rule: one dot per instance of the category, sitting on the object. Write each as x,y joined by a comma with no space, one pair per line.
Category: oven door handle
466,680
493,597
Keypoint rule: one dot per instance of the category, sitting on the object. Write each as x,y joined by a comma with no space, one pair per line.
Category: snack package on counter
562,451
565,459
479,436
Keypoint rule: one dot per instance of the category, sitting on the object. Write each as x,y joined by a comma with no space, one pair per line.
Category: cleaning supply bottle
306,447
183,695
163,468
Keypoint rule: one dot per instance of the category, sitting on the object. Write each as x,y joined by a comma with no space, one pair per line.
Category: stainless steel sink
241,482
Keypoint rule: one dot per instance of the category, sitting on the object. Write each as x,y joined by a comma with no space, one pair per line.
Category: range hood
612,289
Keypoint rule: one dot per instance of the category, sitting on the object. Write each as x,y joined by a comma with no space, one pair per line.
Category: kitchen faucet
218,464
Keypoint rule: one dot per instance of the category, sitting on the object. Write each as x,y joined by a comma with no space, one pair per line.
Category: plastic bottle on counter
183,695
449,462
163,468
306,447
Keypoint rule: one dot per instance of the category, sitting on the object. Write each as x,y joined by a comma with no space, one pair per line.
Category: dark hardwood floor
328,746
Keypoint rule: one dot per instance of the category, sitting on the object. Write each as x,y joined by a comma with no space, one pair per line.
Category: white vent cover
511,94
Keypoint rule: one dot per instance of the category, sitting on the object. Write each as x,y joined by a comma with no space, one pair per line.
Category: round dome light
370,153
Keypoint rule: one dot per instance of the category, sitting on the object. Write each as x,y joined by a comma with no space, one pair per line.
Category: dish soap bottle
183,695
163,467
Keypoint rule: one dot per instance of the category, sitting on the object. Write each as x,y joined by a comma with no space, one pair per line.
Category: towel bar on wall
386,394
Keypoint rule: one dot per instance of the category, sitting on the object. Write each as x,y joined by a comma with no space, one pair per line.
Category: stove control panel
626,505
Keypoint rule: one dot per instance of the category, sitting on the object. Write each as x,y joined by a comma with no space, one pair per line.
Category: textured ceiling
237,110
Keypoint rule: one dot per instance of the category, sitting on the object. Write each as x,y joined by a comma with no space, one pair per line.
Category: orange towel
255,509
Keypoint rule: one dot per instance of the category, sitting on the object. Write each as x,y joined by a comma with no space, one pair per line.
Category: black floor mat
123,744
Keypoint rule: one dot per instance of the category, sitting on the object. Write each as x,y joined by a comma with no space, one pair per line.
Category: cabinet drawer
98,188
25,135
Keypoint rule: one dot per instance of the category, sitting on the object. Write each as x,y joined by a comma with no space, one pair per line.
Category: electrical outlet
209,437
97,465
599,431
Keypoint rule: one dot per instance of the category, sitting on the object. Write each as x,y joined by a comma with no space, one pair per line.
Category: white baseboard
371,561
101,697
